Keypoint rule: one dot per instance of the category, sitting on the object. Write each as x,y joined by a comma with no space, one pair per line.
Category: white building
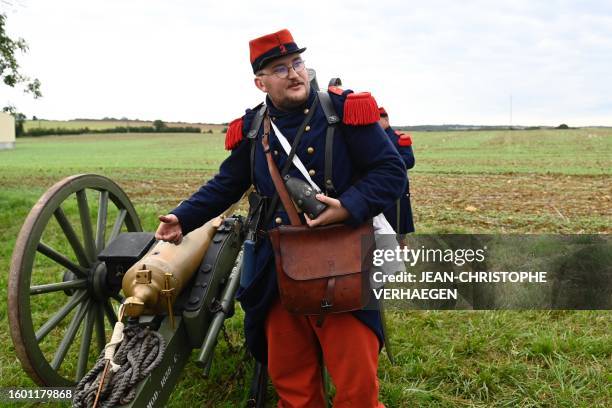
7,131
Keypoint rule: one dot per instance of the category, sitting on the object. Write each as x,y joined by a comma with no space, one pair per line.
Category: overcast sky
426,62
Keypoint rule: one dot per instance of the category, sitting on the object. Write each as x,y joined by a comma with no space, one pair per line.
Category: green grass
488,182
500,358
575,151
116,151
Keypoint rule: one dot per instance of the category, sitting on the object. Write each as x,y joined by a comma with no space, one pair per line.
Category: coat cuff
357,207
186,222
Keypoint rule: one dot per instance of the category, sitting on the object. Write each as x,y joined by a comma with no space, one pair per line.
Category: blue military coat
368,175
403,144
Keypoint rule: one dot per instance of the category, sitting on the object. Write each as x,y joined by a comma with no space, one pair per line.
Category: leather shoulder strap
288,162
276,177
332,122
256,124
328,108
252,135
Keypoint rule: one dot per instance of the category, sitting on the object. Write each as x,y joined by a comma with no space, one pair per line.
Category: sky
525,62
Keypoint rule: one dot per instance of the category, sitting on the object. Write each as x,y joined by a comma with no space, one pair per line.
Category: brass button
310,150
311,172
306,111
307,128
278,220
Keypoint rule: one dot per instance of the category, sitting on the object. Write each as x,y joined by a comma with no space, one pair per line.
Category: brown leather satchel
320,270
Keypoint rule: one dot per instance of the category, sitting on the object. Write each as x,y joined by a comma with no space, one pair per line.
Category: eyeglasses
282,71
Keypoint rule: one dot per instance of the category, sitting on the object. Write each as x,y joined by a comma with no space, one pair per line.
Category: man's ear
384,122
260,84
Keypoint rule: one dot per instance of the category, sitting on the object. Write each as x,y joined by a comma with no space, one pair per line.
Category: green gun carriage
70,257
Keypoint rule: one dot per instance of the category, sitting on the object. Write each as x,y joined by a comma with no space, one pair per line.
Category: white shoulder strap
296,160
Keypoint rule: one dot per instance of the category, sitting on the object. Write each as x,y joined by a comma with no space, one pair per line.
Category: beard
290,100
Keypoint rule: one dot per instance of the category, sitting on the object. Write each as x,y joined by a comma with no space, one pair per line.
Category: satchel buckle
325,304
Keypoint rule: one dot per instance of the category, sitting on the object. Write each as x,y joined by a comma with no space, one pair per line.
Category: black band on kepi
274,53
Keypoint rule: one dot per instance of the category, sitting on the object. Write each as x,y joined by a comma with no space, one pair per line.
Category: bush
119,129
55,131
181,129
18,128
158,125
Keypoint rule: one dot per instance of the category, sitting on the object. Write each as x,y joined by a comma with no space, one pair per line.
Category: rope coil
140,351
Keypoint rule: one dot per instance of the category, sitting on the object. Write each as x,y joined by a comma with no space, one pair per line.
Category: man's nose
292,73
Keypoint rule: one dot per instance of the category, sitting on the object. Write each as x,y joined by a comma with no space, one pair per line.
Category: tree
563,126
158,125
10,75
9,67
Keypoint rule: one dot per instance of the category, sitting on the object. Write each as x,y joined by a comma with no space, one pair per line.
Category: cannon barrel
157,279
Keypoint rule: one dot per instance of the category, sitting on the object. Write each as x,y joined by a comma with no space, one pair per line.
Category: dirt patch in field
495,203
166,189
536,194
447,202
515,199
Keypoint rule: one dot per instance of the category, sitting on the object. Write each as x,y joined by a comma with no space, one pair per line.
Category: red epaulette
360,109
336,90
234,136
403,139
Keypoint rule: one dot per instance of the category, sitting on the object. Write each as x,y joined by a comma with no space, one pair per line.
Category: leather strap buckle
325,304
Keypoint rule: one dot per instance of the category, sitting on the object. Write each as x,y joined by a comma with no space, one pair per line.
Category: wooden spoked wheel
60,297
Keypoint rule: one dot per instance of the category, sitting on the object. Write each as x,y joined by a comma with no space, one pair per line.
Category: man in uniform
399,215
368,176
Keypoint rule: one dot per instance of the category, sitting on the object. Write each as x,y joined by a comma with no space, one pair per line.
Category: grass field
487,182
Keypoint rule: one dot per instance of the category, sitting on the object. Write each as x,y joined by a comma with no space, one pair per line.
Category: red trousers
350,353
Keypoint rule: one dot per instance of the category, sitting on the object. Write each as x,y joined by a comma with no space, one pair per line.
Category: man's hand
169,229
334,212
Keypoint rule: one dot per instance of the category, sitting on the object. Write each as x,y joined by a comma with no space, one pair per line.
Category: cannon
82,252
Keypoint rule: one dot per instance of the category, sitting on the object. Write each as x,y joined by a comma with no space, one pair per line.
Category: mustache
294,83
